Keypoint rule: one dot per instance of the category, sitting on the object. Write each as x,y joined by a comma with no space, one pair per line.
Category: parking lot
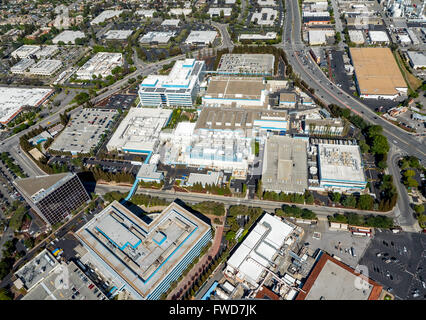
118,101
338,243
398,261
406,120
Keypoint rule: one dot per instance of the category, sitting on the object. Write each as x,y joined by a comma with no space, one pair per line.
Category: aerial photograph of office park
212,150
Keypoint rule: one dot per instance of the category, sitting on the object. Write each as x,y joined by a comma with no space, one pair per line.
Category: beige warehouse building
377,73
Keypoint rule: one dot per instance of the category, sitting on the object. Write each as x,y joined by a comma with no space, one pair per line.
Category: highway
298,56
400,141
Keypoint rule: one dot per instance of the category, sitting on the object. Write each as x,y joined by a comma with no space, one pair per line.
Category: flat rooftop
84,130
285,165
13,99
139,131
118,34
181,79
231,88
340,163
250,64
76,286
142,254
101,64
105,15
332,280
259,248
205,37
157,36
238,118
36,269
377,71
68,36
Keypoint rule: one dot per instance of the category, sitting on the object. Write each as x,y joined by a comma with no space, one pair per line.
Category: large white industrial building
46,67
285,166
100,64
341,168
139,131
222,139
259,251
68,36
179,88
105,15
12,100
201,37
236,91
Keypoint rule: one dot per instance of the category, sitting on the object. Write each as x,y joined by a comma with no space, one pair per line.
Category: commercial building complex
417,59
216,12
341,168
53,197
356,36
320,36
84,131
201,37
328,127
25,51
288,100
236,92
100,64
331,279
143,258
13,100
46,67
259,250
179,88
311,18
105,15
211,178
139,131
68,36
22,66
36,270
254,37
285,167
157,37
264,17
149,173
222,138
377,73
246,64
118,34
171,23
44,278
378,37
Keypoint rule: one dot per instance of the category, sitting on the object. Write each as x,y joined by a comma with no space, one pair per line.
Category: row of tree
296,212
354,219
211,188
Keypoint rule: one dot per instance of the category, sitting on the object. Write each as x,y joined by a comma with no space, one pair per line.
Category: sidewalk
193,274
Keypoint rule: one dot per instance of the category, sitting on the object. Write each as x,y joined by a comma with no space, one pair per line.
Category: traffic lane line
343,103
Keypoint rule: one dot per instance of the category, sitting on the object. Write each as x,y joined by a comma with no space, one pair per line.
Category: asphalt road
399,140
298,56
195,198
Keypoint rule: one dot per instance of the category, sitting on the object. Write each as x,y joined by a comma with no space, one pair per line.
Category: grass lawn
412,81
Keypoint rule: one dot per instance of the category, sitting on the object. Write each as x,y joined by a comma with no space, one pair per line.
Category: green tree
336,196
365,202
5,294
380,145
349,201
419,209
